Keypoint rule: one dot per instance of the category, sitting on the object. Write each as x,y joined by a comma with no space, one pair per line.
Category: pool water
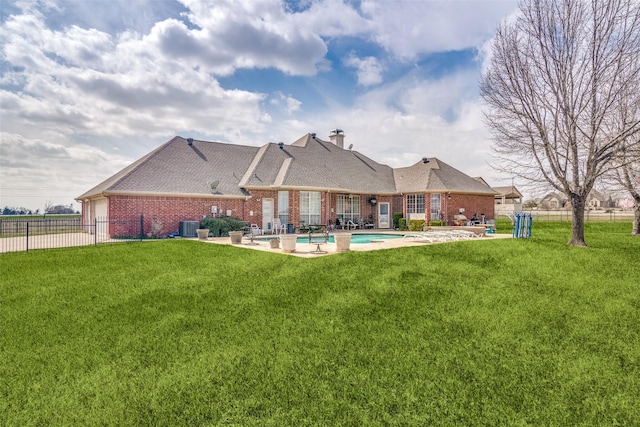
359,238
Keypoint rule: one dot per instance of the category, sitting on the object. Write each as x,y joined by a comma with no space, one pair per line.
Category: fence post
95,230
141,226
27,236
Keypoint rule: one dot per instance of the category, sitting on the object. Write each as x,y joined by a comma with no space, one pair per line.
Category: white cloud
36,171
409,28
286,102
253,34
113,87
368,70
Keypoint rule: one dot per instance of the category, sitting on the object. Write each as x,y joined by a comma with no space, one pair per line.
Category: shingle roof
178,168
435,175
313,163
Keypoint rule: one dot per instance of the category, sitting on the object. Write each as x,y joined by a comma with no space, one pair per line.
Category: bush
436,223
396,219
416,224
402,223
222,226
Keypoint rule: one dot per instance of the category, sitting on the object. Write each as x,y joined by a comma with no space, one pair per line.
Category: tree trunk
636,217
577,225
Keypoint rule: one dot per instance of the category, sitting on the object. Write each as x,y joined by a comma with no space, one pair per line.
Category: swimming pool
359,238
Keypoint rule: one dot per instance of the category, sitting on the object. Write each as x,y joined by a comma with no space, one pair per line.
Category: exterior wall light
373,201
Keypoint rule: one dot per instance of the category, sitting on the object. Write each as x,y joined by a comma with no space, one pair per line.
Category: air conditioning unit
188,228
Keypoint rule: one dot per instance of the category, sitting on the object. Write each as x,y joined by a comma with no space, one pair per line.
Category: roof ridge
253,165
282,173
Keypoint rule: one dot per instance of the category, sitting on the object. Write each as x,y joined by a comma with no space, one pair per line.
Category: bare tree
626,159
627,177
556,79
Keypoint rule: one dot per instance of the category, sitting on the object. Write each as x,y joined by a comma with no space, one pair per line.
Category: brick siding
167,212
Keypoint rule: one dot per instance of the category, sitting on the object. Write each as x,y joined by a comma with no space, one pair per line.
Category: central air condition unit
188,228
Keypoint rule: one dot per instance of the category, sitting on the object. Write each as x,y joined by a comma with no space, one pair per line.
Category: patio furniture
278,227
350,224
319,239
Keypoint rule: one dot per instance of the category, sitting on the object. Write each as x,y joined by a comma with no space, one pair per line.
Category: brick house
310,181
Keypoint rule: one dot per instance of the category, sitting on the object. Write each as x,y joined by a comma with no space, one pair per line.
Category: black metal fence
24,234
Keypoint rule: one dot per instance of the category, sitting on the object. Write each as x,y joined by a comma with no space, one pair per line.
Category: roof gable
313,163
178,167
434,175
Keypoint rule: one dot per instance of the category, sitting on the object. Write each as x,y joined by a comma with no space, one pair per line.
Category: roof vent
425,160
190,141
281,145
313,135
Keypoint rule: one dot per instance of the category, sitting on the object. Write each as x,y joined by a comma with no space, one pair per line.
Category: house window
435,212
415,203
347,207
283,206
310,207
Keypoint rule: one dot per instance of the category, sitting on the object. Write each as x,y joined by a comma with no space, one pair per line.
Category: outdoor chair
255,230
278,227
351,224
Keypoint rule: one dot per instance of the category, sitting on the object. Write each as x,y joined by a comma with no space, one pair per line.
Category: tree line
48,210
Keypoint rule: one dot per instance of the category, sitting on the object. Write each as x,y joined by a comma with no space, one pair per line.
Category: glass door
267,215
383,215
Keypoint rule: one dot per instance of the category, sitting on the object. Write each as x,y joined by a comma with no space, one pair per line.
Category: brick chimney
336,137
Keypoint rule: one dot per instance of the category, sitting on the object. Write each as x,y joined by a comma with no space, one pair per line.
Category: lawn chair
255,230
278,227
351,224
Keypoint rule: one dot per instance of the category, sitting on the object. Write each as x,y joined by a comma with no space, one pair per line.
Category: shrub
416,224
222,226
436,223
402,223
396,219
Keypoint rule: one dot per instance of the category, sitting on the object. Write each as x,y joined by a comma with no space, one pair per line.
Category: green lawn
498,332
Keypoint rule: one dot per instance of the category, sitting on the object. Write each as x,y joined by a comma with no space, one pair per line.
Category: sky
89,86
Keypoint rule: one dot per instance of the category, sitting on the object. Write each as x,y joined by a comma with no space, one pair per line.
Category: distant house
598,200
310,181
554,201
595,200
508,200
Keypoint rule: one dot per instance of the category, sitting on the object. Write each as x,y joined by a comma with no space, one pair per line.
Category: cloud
254,34
112,85
36,171
286,102
368,70
400,122
407,29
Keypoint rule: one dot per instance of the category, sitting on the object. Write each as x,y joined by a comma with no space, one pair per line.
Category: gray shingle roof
437,176
320,164
177,168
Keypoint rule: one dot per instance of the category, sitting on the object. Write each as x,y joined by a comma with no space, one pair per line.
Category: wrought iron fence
24,234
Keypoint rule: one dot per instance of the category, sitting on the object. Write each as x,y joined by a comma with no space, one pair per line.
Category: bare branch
558,78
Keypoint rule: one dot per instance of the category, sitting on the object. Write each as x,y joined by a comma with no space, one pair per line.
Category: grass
502,332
